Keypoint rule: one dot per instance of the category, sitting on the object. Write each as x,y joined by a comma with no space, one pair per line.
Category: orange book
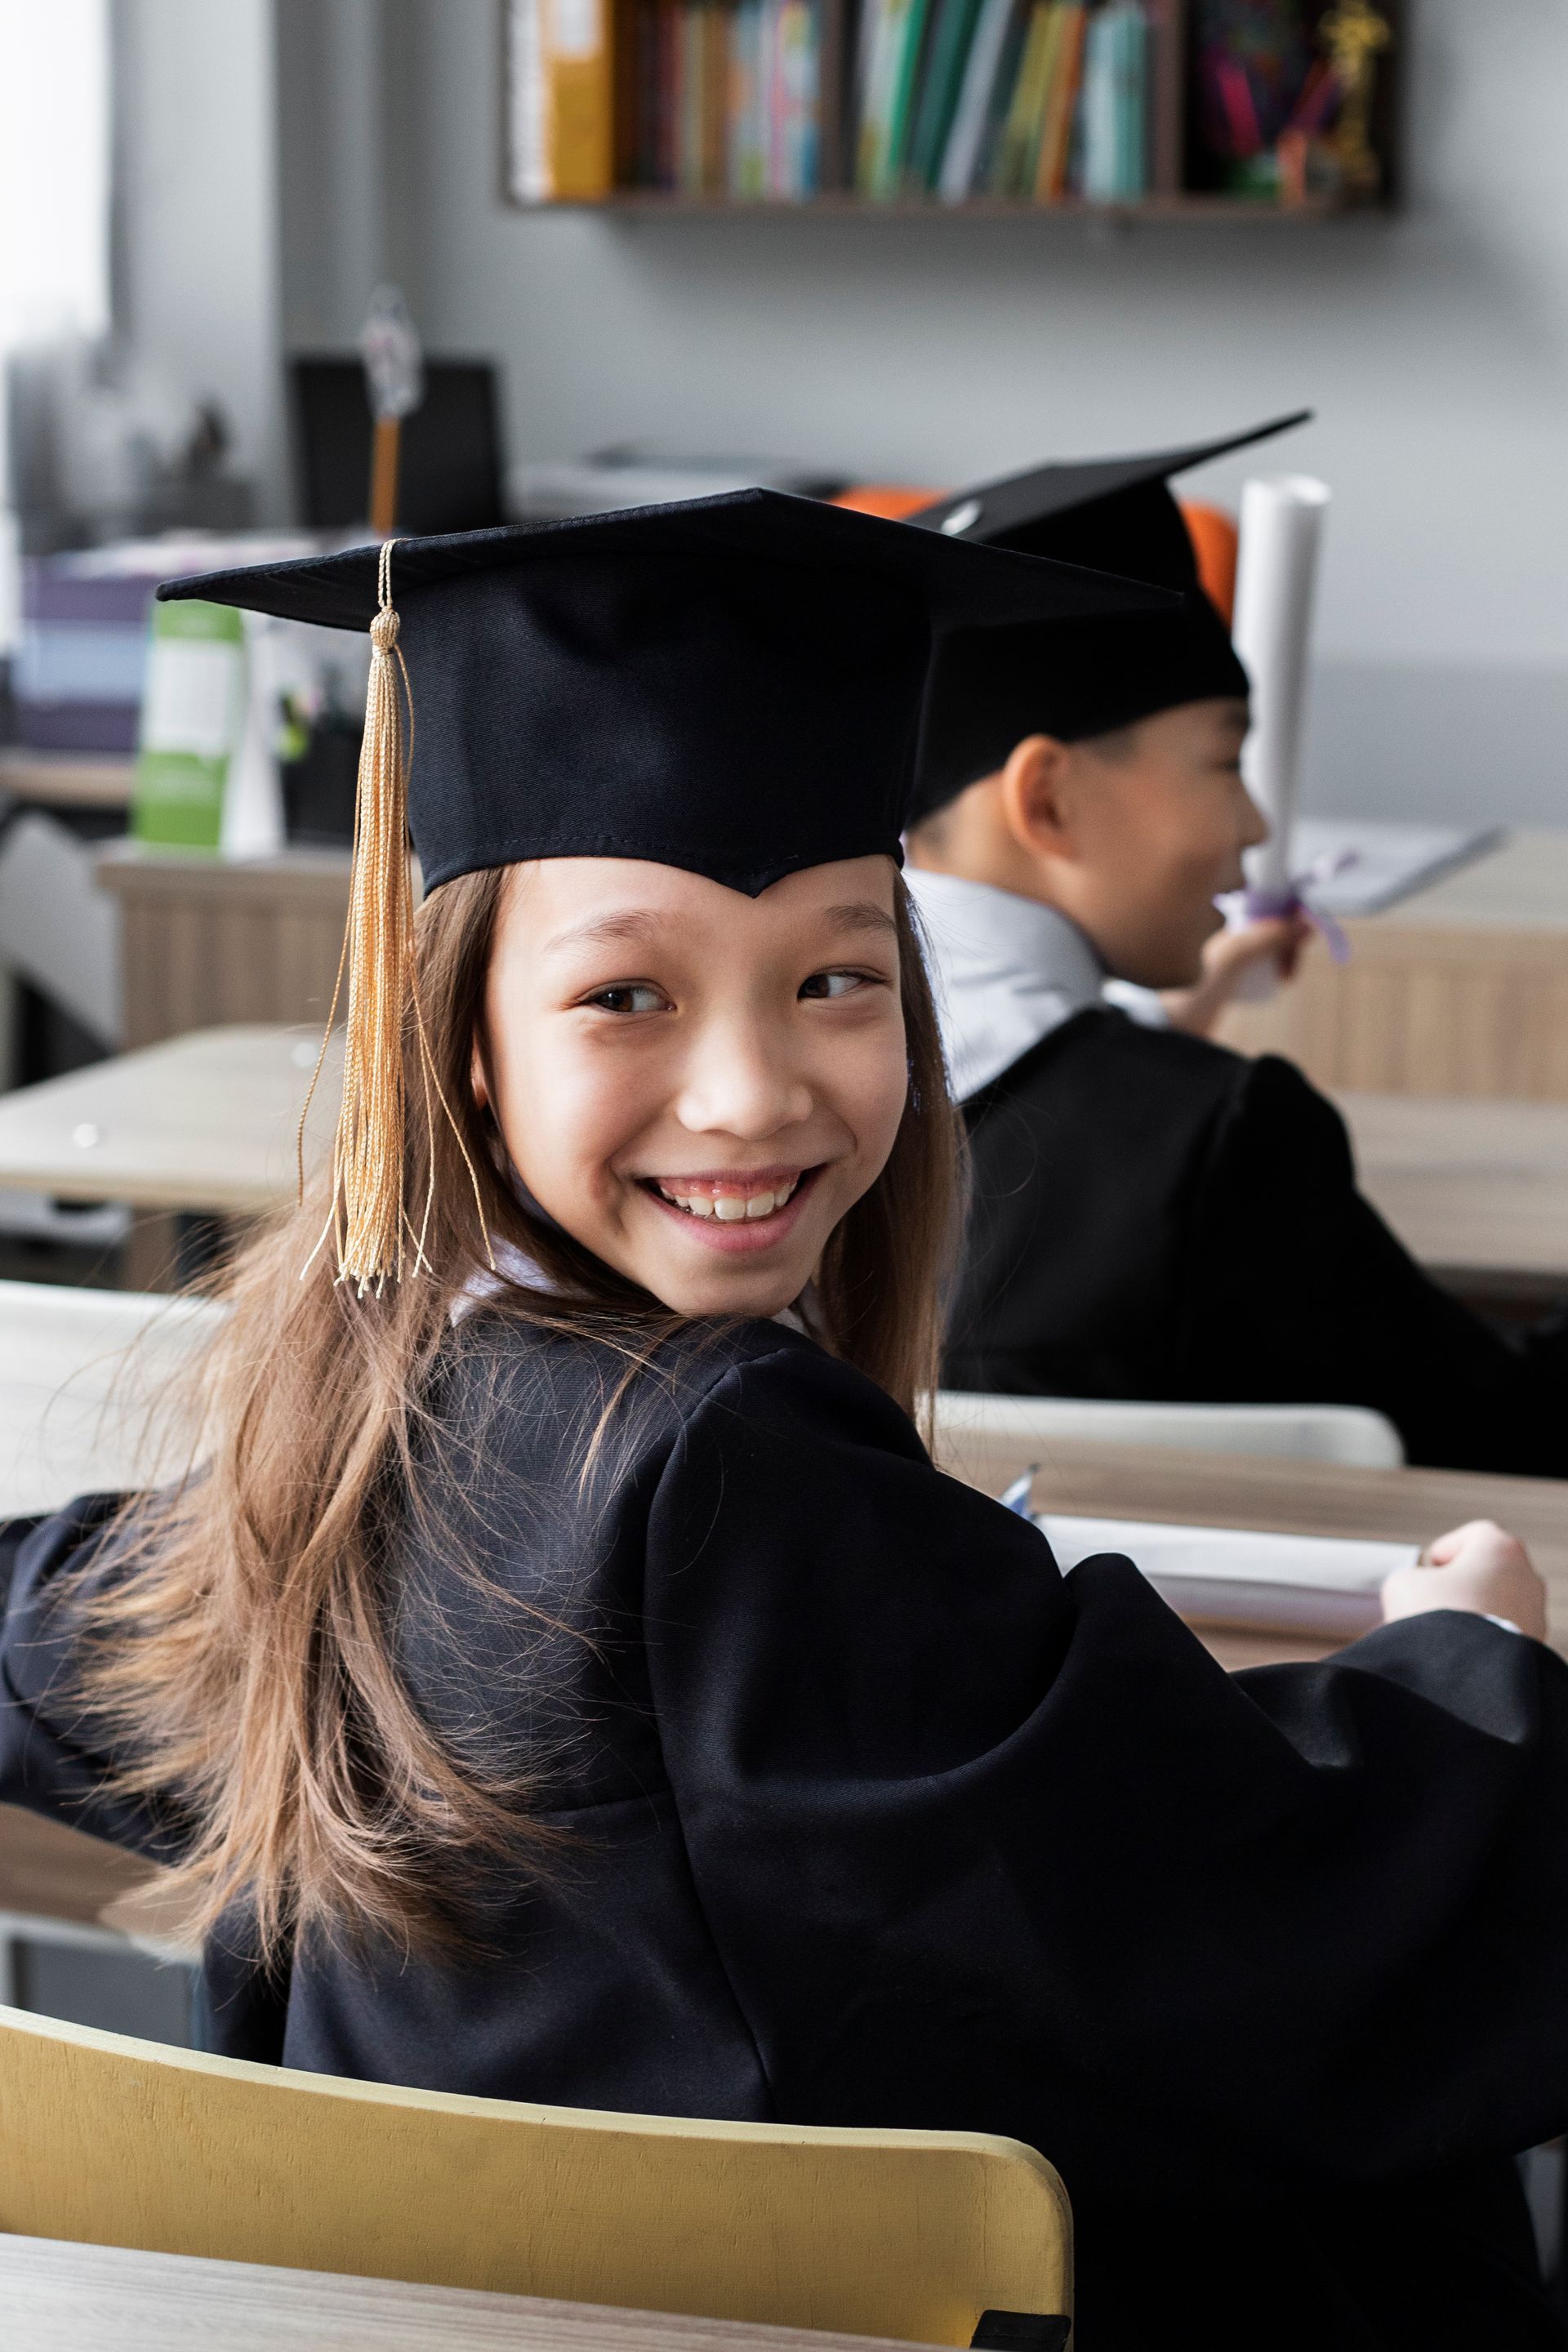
1061,105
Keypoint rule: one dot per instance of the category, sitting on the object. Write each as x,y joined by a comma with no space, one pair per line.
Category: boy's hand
1478,1568
1229,956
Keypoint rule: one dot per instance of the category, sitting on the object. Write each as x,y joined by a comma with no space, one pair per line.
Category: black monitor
449,462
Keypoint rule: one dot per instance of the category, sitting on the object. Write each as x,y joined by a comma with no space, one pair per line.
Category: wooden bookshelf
612,166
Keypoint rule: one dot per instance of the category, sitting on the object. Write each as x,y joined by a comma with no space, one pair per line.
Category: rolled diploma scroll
1281,524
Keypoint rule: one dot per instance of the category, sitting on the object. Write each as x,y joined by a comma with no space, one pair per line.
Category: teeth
730,1208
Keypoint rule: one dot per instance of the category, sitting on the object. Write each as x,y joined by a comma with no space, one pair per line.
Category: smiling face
1161,818
697,1086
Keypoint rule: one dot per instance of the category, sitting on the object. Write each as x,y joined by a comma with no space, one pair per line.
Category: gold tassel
367,1220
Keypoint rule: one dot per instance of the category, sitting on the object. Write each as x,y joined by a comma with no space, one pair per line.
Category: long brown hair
239,1657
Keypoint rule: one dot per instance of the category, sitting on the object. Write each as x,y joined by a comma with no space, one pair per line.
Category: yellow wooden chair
935,2237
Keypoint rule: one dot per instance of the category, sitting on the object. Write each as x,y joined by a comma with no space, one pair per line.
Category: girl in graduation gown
568,1679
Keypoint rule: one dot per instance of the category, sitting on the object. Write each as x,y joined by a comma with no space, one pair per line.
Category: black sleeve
53,1758
985,1848
1300,1294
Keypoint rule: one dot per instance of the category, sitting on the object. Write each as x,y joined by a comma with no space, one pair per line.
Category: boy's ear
1035,797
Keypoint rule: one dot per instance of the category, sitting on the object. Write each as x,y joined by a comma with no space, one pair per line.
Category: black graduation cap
1117,515
730,684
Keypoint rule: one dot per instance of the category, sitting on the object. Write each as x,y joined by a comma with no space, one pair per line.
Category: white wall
281,155
1435,348
197,240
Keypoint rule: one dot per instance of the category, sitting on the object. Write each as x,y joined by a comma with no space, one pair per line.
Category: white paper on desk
1382,863
1277,561
1231,1575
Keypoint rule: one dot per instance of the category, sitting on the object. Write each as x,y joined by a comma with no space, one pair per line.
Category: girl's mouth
733,1213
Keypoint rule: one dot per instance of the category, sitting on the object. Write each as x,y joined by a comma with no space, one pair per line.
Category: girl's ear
478,1083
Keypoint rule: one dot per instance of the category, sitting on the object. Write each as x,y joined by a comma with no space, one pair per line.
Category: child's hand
1478,1568
1228,957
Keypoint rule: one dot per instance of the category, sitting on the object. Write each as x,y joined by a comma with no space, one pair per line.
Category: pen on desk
1016,1497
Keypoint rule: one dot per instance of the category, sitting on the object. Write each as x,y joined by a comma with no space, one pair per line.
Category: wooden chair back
893,2233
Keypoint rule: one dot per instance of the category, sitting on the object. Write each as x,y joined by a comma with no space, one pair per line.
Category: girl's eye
630,996
832,983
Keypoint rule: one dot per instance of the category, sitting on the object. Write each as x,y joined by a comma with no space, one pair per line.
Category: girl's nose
739,1082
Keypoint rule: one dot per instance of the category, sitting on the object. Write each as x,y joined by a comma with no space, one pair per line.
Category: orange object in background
1214,541
891,501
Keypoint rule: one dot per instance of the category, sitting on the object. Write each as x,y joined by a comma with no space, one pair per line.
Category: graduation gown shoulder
874,1818
1155,1216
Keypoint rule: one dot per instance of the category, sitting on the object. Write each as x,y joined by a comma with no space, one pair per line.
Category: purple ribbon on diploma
1277,906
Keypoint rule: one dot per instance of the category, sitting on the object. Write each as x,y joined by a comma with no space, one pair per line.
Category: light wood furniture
1477,1191
1461,990
907,2233
203,1125
68,780
206,940
59,2297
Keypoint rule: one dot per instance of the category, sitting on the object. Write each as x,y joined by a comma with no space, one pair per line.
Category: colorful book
796,100
961,156
952,33
1013,167
1060,104
885,116
746,128
1113,110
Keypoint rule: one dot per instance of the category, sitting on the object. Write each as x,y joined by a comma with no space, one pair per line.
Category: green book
193,719
901,118
946,58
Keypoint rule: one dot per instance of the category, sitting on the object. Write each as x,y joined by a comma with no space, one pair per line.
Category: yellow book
580,100
1015,158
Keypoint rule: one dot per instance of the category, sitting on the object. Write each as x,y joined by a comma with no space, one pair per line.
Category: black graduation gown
1155,1216
874,1819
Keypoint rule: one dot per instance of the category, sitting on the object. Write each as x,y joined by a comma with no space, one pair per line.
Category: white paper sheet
1229,1576
1388,862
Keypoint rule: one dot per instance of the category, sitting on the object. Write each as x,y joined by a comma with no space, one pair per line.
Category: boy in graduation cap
1153,1216
570,1680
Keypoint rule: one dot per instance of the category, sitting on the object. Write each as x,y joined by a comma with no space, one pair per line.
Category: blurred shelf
842,204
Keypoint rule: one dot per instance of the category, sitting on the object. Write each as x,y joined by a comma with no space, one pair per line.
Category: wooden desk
1136,1482
59,2296
1461,990
68,780
204,941
1477,1191
204,1123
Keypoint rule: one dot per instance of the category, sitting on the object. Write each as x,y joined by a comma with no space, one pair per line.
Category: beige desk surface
203,1122
59,2296
67,779
1474,1188
1521,884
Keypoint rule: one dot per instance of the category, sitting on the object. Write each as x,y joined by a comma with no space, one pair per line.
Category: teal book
947,55
889,178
